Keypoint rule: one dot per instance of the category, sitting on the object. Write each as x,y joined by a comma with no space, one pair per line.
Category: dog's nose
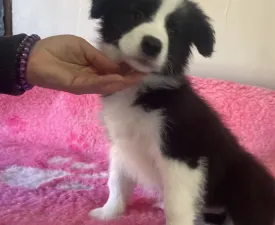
151,46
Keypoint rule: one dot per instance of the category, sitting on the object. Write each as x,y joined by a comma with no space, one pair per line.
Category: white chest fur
135,135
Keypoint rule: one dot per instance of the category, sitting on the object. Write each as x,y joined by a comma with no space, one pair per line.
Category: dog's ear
202,34
98,8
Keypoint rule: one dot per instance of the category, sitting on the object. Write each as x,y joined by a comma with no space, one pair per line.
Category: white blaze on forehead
167,7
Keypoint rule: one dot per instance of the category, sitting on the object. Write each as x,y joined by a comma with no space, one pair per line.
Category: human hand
69,63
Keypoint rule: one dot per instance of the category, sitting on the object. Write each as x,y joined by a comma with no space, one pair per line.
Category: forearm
8,63
12,51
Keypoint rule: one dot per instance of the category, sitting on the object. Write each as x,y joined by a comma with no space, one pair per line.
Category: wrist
23,54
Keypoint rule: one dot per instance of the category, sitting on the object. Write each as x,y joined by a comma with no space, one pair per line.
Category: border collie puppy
162,132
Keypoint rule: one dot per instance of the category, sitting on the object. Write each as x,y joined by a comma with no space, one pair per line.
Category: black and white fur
163,134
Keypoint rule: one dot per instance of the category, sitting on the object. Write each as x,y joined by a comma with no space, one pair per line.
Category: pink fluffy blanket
53,152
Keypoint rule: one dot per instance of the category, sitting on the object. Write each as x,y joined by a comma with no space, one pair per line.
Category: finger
115,87
101,81
98,60
125,69
92,84
112,88
133,78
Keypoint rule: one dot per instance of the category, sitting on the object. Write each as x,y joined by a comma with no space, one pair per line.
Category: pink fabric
44,135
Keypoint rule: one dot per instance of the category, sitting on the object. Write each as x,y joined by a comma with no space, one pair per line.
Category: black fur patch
215,219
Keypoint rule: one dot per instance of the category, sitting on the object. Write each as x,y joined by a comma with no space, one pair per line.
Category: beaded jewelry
23,54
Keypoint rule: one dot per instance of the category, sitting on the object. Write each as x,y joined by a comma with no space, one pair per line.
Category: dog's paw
105,213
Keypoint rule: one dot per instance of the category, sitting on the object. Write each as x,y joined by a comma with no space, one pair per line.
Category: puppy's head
153,35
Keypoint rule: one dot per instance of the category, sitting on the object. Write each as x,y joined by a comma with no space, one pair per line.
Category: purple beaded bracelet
23,53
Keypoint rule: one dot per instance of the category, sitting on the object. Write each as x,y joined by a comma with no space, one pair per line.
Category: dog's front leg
183,189
120,189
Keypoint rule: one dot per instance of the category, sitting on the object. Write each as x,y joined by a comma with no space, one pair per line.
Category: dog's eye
173,31
173,27
138,15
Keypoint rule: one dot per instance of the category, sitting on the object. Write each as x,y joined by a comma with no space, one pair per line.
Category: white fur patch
134,132
183,189
135,137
